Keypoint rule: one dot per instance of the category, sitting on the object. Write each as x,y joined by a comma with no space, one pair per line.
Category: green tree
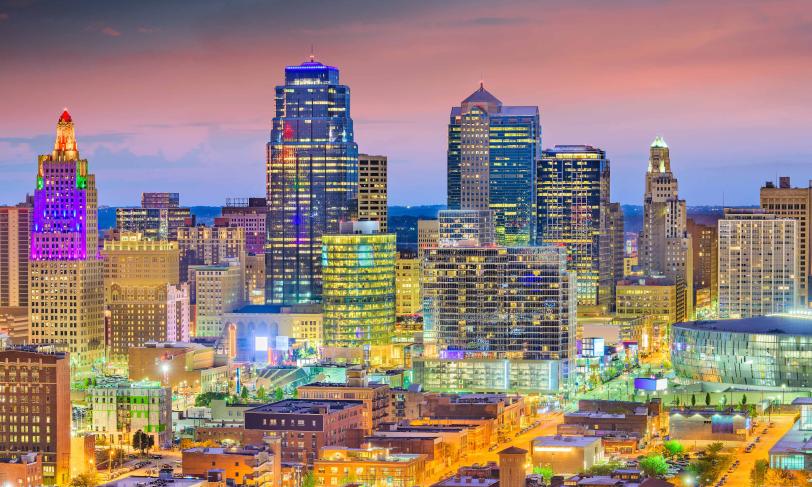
278,394
309,480
714,449
744,400
244,393
142,441
673,448
758,473
707,399
87,479
693,400
262,394
545,471
204,400
654,465
605,468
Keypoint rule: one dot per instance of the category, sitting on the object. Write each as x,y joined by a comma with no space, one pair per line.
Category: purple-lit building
249,214
66,303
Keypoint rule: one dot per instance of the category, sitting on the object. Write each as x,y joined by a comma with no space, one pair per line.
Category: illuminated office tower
141,293
785,201
312,179
202,245
158,218
255,278
66,305
665,247
617,248
705,241
15,234
573,211
497,319
372,191
36,414
218,290
407,286
466,228
655,300
492,152
358,266
759,267
428,234
251,215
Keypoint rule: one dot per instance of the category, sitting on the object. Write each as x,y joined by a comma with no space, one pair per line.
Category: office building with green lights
120,407
358,272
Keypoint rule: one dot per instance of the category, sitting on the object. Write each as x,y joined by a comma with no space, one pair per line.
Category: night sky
171,97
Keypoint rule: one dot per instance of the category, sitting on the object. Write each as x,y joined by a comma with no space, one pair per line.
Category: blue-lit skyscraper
312,178
492,151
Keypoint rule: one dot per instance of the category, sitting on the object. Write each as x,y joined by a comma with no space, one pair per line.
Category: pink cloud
109,31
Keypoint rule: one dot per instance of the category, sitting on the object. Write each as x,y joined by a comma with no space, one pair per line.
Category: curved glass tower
312,178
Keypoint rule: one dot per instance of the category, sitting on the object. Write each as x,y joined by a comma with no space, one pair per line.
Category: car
156,457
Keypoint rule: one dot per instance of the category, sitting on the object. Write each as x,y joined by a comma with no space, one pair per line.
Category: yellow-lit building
372,192
142,295
358,295
371,467
631,268
255,278
655,299
407,286
218,290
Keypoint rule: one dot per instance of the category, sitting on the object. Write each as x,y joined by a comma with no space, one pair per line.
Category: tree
673,448
87,479
758,473
262,394
707,399
244,393
545,471
309,480
714,449
605,468
783,478
654,466
204,400
278,394
693,400
142,441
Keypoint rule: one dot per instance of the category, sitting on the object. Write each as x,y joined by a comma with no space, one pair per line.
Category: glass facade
573,211
492,151
359,289
775,354
312,178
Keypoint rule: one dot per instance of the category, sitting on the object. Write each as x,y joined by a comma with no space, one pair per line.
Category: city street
741,475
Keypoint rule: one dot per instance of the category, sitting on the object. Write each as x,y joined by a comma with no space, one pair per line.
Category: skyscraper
665,247
202,245
705,241
787,202
312,178
15,232
67,290
617,248
758,263
573,211
492,151
372,191
250,214
158,218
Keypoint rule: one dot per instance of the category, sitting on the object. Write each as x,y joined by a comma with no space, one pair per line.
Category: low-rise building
794,450
240,466
188,368
375,396
705,426
567,454
23,470
622,425
371,466
119,408
304,426
268,333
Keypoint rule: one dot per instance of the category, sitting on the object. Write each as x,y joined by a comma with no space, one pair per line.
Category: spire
65,144
484,99
659,143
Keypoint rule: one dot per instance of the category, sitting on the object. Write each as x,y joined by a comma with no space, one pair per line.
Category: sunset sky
171,97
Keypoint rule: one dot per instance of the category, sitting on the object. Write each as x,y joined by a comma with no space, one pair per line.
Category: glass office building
359,288
312,178
572,201
769,351
492,151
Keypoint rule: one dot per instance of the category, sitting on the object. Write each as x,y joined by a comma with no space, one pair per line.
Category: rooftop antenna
312,54
482,80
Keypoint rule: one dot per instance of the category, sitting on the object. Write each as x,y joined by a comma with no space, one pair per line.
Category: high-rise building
35,414
66,305
492,152
358,267
142,294
407,286
428,234
759,267
312,178
255,278
160,200
251,215
158,218
617,248
202,245
656,300
218,290
705,241
573,211
372,191
15,234
466,228
785,201
664,247
497,319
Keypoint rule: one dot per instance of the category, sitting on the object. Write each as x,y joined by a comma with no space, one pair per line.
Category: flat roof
783,324
467,481
579,441
370,385
303,406
793,442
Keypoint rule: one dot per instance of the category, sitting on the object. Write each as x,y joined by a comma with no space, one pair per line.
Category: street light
783,390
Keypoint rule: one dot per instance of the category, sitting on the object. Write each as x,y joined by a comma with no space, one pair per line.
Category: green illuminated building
358,270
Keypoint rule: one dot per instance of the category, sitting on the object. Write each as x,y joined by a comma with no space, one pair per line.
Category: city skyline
725,89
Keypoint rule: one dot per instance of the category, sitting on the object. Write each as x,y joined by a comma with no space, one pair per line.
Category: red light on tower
287,133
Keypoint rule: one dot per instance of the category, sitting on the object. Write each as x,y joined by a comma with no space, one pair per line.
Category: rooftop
370,385
794,441
144,481
303,406
482,96
784,324
466,481
575,441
